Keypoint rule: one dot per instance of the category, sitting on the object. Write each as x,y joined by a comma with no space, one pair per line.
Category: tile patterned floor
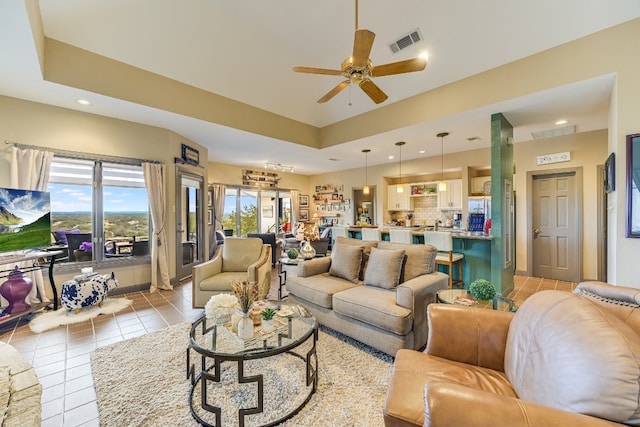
61,356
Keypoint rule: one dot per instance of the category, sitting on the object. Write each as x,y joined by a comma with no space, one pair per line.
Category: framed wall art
633,185
304,201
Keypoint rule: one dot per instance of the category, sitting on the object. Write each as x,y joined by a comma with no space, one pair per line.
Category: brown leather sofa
564,359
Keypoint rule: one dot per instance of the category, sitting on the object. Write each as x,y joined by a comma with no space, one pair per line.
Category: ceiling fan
358,68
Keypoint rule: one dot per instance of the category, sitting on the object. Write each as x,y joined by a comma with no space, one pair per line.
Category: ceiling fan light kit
358,68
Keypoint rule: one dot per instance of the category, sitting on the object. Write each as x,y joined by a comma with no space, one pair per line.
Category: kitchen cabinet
478,185
451,198
400,201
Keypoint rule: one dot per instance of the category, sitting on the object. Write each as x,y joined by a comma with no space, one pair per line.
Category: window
252,211
105,200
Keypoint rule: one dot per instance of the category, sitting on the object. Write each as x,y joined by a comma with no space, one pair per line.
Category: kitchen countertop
418,231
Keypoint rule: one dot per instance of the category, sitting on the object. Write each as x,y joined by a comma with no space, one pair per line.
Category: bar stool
443,241
400,236
370,234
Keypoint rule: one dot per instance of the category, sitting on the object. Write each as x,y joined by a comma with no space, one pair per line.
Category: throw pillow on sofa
367,245
419,259
345,262
384,268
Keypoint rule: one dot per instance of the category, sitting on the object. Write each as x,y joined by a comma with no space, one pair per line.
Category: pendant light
365,189
400,186
442,185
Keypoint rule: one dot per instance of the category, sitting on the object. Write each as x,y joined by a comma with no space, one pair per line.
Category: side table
282,273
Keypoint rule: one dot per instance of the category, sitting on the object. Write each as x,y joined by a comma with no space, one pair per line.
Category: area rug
53,319
143,382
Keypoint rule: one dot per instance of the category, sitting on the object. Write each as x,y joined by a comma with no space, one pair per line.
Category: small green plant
268,313
482,289
292,253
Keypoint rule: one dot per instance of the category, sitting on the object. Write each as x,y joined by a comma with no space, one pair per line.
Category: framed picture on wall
209,216
267,211
209,198
303,215
304,201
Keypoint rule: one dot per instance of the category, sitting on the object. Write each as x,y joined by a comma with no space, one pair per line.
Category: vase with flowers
246,293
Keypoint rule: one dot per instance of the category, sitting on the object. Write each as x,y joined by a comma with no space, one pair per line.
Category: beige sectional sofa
374,292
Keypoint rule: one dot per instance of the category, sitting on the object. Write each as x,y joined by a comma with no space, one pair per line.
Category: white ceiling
244,50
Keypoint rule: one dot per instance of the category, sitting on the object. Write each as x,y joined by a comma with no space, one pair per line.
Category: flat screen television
25,219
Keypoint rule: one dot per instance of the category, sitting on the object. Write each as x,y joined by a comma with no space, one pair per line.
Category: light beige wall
63,129
588,150
232,175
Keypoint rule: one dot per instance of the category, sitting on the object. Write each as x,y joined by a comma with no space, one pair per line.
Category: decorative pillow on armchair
345,262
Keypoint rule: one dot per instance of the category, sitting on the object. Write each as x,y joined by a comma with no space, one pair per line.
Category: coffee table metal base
212,368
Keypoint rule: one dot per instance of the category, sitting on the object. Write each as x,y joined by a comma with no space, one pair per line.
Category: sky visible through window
77,198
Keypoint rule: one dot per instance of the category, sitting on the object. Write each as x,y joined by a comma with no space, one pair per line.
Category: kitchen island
476,248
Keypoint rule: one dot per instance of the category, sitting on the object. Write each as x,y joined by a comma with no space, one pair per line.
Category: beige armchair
563,359
238,259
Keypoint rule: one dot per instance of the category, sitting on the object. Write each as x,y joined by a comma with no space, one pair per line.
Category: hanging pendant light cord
442,156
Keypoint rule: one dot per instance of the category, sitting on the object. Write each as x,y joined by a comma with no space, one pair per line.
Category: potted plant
267,319
482,289
292,253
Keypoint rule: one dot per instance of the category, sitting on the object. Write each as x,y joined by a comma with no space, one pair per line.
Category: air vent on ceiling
567,130
406,41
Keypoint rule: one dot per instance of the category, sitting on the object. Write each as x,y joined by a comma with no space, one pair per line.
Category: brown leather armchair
564,359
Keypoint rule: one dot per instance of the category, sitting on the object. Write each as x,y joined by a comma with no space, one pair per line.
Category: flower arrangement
482,289
220,306
86,247
246,292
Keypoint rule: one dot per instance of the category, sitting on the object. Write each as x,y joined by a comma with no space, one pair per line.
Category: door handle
536,232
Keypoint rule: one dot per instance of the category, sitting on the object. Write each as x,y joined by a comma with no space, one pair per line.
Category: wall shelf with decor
260,179
328,193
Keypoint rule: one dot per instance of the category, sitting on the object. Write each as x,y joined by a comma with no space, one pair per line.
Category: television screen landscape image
25,219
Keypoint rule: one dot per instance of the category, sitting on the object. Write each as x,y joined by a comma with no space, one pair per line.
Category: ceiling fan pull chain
349,95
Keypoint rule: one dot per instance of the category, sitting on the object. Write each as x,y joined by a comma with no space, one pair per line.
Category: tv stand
9,260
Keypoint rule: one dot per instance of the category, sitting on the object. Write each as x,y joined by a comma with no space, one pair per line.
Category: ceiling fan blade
362,44
312,70
408,66
333,92
373,91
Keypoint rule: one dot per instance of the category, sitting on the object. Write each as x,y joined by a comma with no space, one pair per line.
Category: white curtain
30,171
154,181
219,191
295,206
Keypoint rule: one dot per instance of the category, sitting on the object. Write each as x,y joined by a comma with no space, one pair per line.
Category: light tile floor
61,356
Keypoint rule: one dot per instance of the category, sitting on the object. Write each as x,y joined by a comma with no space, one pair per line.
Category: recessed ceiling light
562,122
83,102
391,157
474,138
333,159
422,151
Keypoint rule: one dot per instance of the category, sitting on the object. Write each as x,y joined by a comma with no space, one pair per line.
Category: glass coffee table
262,381
457,296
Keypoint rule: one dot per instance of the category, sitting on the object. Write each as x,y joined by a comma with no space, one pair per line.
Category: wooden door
556,223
